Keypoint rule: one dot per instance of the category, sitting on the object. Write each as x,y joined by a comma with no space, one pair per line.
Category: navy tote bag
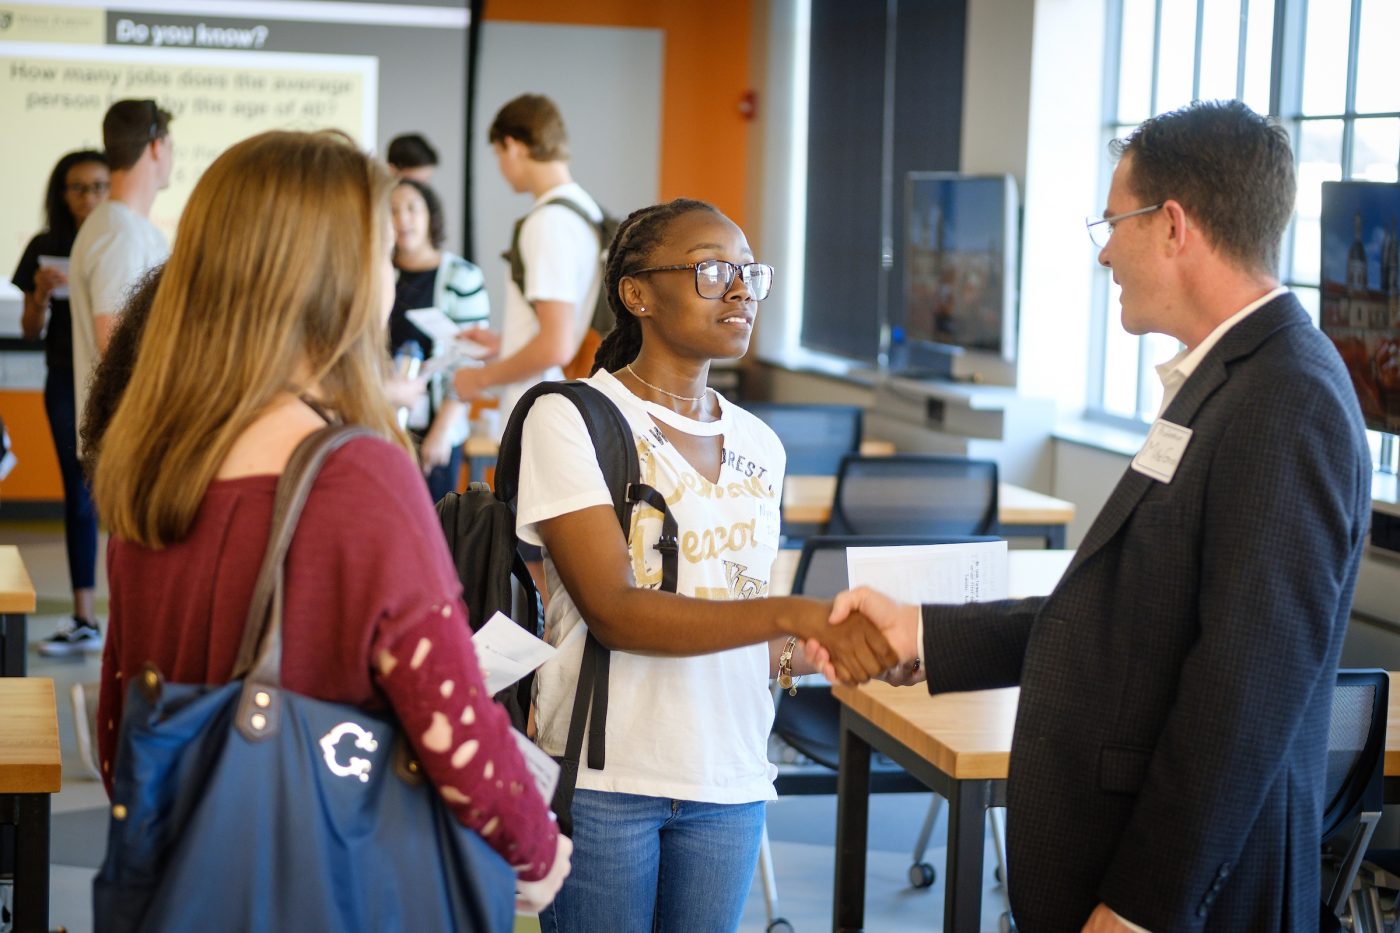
247,807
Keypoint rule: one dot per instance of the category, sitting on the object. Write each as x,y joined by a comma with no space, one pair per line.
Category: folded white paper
506,652
434,322
932,573
542,768
61,264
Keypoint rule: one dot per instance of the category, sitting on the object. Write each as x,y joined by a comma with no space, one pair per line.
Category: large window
1162,54
1327,68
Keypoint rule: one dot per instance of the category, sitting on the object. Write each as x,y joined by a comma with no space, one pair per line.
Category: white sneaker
74,635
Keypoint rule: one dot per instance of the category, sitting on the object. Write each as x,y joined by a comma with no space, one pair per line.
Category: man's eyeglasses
80,189
714,277
1100,230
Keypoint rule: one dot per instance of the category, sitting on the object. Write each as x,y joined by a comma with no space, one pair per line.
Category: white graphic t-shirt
692,728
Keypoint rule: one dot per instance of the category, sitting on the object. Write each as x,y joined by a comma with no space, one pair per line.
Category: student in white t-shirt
666,835
118,244
546,320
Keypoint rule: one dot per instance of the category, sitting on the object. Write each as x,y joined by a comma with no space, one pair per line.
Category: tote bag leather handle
260,653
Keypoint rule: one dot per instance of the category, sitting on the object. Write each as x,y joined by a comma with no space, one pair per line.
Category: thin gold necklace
679,398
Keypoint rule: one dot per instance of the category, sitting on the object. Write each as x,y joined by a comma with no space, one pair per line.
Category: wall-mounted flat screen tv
1361,291
960,256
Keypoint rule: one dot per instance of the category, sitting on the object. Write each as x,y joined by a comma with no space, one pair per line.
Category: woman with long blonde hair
268,322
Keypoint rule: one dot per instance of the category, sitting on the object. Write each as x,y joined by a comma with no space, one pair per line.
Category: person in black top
78,184
429,276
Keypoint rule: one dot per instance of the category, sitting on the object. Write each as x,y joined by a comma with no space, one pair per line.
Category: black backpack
603,319
480,529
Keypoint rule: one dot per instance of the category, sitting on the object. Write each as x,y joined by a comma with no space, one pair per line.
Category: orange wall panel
36,474
704,138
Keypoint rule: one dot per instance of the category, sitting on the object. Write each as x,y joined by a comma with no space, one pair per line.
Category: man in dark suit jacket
1169,757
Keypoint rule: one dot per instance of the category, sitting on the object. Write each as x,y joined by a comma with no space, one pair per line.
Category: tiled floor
802,829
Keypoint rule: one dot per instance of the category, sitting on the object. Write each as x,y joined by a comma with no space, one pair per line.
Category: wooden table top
807,500
16,589
968,735
30,762
964,735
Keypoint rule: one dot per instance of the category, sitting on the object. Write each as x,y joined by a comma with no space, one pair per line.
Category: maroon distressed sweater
373,614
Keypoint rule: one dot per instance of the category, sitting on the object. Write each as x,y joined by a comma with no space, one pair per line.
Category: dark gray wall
879,106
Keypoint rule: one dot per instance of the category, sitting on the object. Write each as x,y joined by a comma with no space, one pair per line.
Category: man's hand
487,340
905,674
1104,920
404,393
534,896
469,383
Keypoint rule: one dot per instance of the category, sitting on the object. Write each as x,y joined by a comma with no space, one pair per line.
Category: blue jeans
655,865
79,515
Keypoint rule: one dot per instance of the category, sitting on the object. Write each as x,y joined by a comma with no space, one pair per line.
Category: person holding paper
666,834
1170,751
275,339
429,277
76,187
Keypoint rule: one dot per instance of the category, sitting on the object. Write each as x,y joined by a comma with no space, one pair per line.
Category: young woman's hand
849,655
46,280
436,449
405,393
535,896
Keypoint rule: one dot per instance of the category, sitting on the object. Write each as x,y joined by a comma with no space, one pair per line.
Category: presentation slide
237,69
215,98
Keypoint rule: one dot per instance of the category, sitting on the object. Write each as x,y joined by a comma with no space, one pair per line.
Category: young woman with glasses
666,835
78,184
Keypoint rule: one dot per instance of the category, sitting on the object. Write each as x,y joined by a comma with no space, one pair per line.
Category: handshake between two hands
866,635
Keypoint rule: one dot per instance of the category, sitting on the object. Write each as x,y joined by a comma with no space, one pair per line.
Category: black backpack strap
517,261
617,457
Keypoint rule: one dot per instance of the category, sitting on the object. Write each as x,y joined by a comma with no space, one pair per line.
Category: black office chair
1355,792
815,437
914,494
810,721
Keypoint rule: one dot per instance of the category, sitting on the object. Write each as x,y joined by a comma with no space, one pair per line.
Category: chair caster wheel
922,875
779,926
1007,923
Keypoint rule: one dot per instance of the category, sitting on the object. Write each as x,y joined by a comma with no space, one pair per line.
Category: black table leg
962,899
852,830
13,644
30,815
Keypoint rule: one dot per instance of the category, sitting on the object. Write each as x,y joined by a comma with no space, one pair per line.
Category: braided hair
631,249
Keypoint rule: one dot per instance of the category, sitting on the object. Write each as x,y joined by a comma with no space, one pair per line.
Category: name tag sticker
1162,452
768,532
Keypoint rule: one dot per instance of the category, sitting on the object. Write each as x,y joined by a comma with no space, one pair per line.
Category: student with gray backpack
555,258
